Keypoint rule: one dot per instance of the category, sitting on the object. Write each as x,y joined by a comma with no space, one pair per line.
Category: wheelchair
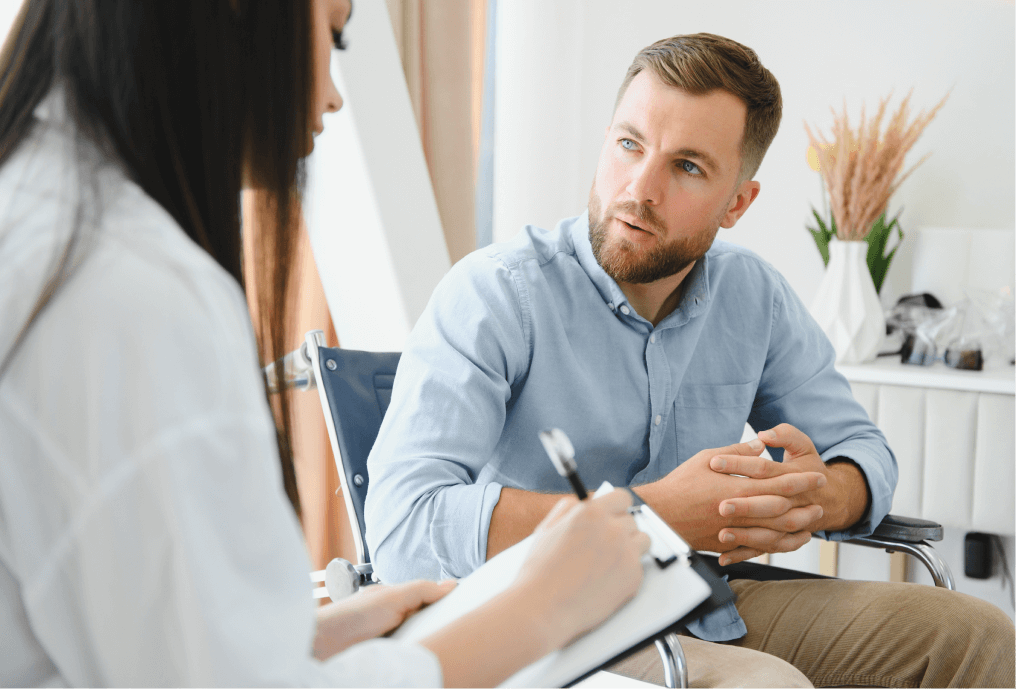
355,389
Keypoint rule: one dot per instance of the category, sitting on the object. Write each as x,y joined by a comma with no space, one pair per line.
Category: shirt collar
694,299
612,295
53,106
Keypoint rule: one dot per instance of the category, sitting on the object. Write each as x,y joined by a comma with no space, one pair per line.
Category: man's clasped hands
732,501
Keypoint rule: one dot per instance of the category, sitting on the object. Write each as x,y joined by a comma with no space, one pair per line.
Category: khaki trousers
849,633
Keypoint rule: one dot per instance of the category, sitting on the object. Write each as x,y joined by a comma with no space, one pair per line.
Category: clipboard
677,587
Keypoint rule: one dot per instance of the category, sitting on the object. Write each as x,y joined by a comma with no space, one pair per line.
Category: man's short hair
703,62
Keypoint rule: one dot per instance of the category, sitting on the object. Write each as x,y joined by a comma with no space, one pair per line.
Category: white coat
145,538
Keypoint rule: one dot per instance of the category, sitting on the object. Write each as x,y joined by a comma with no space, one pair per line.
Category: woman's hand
372,612
585,563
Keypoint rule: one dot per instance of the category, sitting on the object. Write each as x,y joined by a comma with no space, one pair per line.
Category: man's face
667,180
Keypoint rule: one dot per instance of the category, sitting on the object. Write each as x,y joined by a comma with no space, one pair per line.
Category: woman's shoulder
151,246
60,196
139,292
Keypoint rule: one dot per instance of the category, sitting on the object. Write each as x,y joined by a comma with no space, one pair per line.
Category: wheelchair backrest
357,389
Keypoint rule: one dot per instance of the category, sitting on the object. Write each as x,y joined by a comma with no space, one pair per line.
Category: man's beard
624,262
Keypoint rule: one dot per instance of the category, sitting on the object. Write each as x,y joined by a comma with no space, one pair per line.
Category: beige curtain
441,46
325,524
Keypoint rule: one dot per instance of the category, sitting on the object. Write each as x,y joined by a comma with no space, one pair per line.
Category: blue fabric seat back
358,386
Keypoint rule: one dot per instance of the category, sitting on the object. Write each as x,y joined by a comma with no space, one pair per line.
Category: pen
562,454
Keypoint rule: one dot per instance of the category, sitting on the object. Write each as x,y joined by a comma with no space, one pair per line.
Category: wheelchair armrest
343,578
908,529
908,535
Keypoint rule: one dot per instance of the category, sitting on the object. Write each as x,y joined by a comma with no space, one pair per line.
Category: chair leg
675,667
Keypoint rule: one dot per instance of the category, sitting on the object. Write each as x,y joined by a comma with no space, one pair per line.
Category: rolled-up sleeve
426,516
801,386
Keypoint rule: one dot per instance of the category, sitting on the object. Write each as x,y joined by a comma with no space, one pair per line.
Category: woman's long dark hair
189,96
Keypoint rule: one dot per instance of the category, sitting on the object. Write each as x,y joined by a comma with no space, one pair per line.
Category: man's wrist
851,496
655,496
645,492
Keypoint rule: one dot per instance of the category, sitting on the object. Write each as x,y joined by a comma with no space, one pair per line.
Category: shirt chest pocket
709,416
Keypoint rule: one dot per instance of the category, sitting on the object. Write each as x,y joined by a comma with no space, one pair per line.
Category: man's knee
985,628
962,616
957,619
969,642
853,632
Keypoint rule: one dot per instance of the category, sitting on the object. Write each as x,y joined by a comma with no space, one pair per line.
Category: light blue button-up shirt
533,334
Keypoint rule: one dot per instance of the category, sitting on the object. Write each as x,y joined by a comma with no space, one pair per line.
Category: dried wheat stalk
861,168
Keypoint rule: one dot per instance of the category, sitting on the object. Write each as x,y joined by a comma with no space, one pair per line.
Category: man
651,345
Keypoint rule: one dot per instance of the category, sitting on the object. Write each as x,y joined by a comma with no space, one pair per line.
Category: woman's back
144,533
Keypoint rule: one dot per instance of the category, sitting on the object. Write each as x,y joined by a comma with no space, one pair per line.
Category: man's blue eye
628,144
690,167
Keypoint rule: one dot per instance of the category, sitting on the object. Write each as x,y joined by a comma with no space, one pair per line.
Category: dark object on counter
922,299
919,352
966,359
909,311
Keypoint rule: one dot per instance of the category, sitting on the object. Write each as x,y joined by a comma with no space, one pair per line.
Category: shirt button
652,338
610,305
658,420
625,310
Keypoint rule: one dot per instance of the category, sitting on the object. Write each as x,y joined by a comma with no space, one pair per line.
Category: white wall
560,63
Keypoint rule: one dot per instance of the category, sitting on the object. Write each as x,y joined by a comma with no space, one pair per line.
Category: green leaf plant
878,240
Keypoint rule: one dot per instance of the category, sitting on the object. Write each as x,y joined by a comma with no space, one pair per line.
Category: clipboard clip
666,546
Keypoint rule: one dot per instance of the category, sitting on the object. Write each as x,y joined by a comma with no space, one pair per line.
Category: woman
145,533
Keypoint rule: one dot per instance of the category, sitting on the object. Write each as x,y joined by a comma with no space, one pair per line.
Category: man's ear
746,193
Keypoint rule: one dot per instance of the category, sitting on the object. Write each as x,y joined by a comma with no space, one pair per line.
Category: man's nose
647,183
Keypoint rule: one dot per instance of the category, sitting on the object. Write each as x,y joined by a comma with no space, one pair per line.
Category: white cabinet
953,435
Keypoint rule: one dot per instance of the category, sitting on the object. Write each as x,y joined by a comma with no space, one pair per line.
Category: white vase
847,306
